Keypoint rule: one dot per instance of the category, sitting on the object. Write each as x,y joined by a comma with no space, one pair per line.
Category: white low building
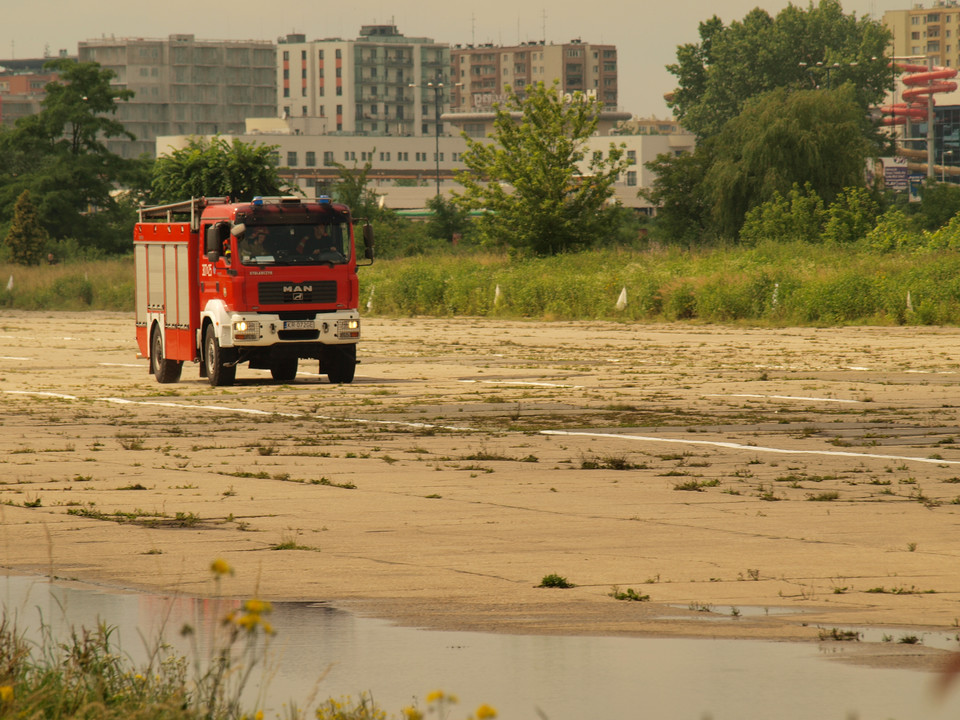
407,171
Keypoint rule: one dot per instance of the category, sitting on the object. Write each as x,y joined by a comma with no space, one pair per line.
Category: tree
58,154
541,192
352,190
781,138
215,168
730,65
449,220
939,203
26,237
677,191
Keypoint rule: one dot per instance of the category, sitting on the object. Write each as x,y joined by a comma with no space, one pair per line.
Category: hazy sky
646,33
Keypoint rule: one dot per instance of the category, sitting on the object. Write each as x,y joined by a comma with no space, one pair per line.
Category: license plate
298,325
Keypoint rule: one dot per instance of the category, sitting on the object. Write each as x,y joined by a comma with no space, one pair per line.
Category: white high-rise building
381,83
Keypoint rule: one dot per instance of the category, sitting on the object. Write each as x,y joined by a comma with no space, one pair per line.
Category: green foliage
59,155
782,138
214,168
555,581
352,190
26,237
542,194
851,216
449,220
798,217
939,203
717,76
683,214
894,231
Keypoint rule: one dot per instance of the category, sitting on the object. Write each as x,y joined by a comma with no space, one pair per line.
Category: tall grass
87,285
771,284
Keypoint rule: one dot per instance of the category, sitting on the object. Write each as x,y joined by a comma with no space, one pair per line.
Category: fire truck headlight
244,330
353,324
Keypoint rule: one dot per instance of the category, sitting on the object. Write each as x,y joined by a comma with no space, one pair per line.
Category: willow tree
543,189
815,137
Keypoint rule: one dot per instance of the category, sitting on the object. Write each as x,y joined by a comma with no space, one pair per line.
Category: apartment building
185,86
381,83
481,73
22,87
929,31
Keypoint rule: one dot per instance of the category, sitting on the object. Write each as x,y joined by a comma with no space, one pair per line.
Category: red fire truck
266,282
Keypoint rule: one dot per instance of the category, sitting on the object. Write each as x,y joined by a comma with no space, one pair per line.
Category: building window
311,159
339,90
291,158
286,92
328,157
320,55
303,110
286,54
338,54
631,178
632,157
339,109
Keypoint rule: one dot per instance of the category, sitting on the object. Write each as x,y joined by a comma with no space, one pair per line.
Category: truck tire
215,359
166,371
340,363
284,370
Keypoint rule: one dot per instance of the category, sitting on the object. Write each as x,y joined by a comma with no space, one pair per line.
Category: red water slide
922,81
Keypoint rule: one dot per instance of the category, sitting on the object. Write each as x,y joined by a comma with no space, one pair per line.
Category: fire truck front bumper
265,330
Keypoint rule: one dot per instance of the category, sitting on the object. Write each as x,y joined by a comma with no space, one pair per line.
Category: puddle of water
730,612
939,640
564,678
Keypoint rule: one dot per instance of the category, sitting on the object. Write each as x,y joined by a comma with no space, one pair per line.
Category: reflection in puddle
566,678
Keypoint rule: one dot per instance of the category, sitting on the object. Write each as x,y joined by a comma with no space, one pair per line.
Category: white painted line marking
214,408
751,448
13,357
521,382
568,433
42,394
783,397
134,365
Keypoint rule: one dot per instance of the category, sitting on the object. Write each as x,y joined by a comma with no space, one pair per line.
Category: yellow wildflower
435,696
411,713
6,693
220,567
257,607
259,715
485,712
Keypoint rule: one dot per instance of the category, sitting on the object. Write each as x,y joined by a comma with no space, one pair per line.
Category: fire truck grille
285,293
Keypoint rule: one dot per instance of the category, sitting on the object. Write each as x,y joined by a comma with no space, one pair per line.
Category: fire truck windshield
293,244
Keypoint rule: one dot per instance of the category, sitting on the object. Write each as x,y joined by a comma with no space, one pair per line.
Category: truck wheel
284,370
217,372
166,371
340,362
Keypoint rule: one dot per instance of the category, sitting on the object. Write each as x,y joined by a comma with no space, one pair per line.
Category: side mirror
368,242
214,239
